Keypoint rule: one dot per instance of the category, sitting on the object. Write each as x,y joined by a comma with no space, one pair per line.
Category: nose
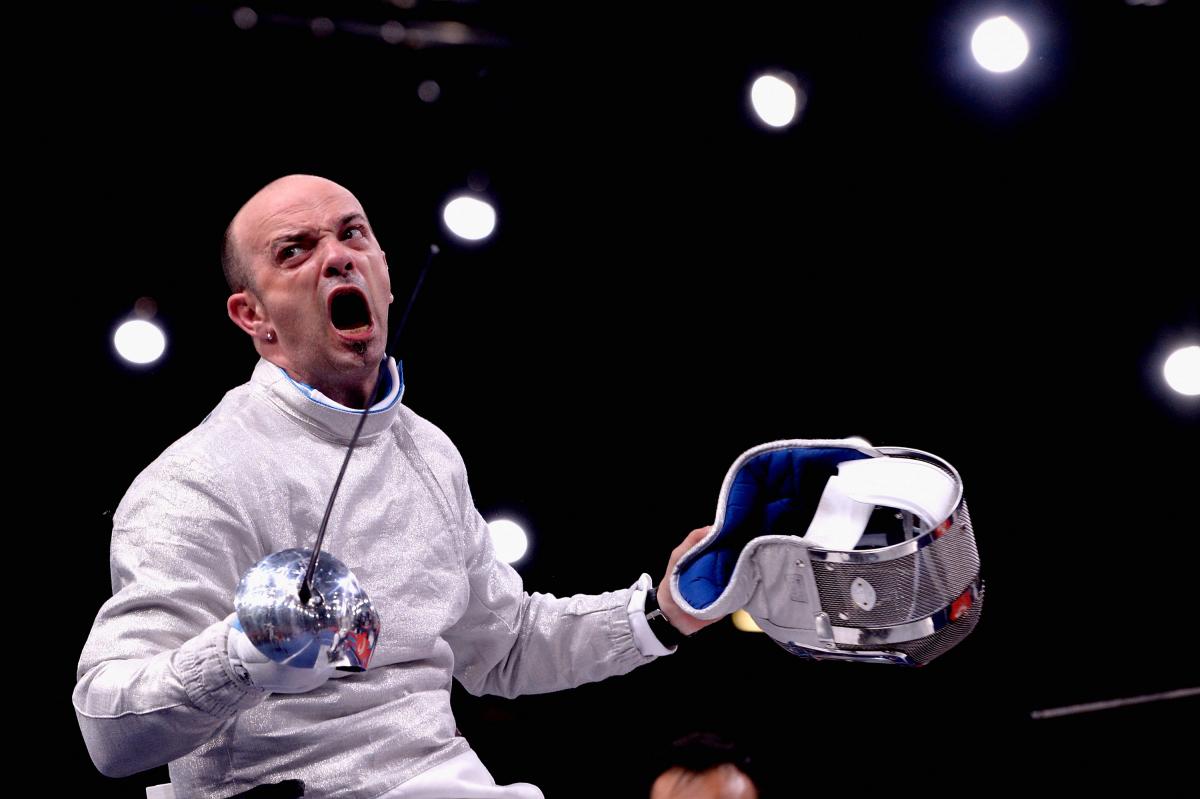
338,259
336,269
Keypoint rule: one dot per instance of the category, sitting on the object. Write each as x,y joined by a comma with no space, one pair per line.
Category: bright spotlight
999,45
1182,371
139,341
775,100
469,218
508,539
745,622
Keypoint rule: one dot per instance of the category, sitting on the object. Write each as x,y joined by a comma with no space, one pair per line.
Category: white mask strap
852,494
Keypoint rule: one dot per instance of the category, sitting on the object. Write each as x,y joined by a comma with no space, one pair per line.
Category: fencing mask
840,550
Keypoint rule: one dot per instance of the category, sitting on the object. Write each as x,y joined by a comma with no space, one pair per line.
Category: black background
991,268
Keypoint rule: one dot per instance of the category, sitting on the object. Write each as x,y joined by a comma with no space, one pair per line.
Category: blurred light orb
429,91
508,539
245,18
392,32
999,45
478,181
469,218
745,622
1182,371
145,308
775,100
139,341
322,27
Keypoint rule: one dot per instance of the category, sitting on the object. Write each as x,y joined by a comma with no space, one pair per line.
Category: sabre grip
255,670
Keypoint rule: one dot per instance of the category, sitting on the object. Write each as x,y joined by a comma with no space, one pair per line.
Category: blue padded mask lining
775,493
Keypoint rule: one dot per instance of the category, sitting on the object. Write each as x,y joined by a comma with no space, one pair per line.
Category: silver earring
270,336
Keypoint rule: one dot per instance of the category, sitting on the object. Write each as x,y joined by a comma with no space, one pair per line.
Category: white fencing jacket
154,683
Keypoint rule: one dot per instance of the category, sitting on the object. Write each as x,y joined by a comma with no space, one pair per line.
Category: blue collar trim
391,371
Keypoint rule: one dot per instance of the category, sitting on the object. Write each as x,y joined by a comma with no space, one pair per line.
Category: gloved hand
254,667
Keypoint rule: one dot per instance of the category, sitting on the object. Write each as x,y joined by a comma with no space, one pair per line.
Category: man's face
319,300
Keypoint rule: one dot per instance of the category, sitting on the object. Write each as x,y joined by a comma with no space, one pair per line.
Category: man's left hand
681,621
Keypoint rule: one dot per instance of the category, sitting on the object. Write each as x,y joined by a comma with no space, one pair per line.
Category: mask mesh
907,588
923,650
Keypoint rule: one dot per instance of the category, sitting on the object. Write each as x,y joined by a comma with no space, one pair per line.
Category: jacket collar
329,419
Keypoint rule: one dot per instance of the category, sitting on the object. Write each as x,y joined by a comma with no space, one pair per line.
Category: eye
291,251
356,232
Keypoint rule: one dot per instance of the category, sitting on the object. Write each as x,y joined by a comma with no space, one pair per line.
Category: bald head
235,262
310,285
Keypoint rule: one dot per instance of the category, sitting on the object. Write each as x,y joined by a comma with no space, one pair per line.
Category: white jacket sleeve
154,680
509,642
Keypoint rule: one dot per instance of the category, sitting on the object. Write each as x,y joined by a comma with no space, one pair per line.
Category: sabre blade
306,592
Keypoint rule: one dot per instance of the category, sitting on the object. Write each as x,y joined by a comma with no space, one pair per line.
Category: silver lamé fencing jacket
253,479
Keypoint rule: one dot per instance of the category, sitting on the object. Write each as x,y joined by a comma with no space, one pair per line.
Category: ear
391,299
246,312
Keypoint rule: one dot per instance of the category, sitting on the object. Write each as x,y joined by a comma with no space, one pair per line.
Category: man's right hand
255,669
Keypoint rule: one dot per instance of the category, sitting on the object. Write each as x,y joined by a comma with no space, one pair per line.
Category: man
164,676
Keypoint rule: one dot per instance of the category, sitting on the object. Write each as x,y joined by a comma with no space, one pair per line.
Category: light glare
508,539
1182,371
469,218
999,45
774,100
139,341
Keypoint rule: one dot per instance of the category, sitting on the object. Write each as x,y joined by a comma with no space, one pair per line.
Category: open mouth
349,313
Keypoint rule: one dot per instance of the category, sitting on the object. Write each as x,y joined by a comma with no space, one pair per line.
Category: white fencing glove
254,667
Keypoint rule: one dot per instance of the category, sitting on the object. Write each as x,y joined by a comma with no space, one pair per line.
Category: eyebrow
300,235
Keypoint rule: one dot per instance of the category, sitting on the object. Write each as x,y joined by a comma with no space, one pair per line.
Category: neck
351,396
351,393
